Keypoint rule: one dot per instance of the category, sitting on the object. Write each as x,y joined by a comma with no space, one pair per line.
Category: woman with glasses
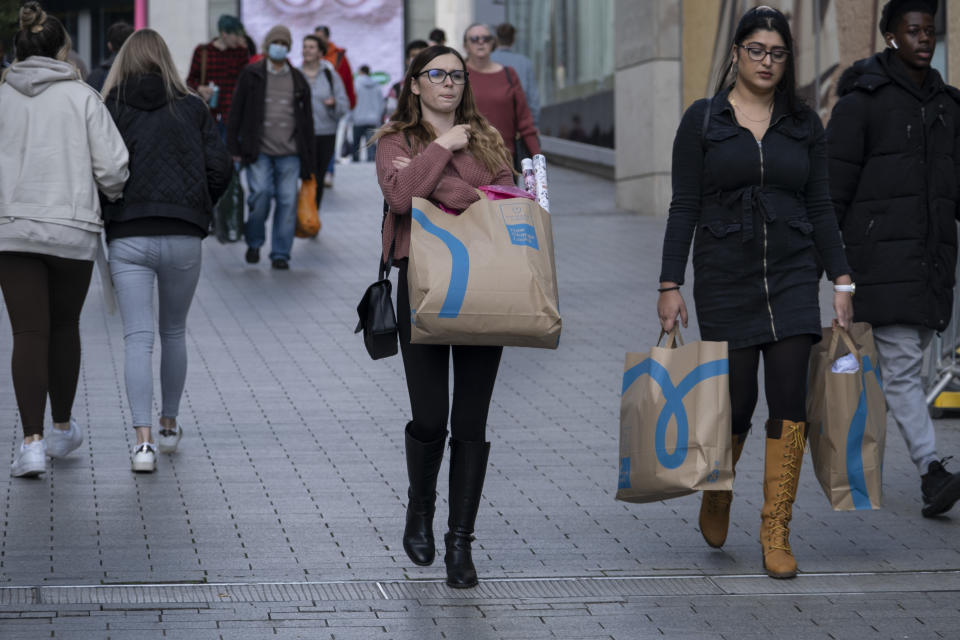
750,188
498,92
438,146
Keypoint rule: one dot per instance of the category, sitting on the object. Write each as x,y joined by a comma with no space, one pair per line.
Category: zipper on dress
763,223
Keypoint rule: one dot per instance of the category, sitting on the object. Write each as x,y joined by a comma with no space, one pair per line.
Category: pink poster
370,30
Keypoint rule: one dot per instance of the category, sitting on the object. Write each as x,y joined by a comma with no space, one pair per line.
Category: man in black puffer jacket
894,147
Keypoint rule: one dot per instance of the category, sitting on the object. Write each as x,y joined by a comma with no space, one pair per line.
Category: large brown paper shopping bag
484,277
675,421
848,419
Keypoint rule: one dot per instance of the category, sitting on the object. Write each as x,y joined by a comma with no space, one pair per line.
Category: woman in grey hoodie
67,147
330,103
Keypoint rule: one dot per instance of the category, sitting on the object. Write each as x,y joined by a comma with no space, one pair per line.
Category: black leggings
427,367
325,148
785,380
44,297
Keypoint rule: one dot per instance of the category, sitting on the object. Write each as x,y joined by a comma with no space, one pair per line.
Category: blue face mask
277,52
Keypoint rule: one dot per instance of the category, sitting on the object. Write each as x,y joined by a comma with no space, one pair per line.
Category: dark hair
506,33
251,45
365,69
40,34
893,12
320,44
765,19
414,44
438,36
324,29
117,34
229,24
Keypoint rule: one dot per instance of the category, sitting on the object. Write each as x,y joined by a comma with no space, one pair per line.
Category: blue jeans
173,263
364,131
272,178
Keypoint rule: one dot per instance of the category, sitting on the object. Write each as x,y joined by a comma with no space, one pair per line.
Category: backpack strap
329,75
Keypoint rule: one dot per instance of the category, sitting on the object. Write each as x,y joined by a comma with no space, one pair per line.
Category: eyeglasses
479,39
439,76
757,54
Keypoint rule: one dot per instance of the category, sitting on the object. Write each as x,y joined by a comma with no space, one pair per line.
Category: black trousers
325,145
785,364
427,368
44,297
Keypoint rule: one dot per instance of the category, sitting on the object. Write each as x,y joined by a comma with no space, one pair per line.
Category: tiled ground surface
291,471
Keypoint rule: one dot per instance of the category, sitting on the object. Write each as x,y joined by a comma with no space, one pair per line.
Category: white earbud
893,43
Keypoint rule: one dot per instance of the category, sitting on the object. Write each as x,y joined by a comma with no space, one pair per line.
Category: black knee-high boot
423,465
468,467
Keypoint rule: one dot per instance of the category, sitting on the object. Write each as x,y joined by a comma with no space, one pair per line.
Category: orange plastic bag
308,218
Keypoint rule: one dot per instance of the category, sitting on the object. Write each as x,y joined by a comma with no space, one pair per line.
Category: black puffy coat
759,215
179,167
894,152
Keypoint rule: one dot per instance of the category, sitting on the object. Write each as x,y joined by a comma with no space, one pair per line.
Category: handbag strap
674,339
838,333
203,67
385,267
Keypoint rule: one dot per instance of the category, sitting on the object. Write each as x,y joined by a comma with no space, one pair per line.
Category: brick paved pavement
281,514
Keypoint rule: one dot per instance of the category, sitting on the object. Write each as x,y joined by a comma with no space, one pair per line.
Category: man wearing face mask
270,131
894,148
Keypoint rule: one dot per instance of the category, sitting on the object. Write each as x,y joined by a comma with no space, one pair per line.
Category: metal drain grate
492,589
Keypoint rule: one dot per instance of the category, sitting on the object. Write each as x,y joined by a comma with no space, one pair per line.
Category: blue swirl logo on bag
516,216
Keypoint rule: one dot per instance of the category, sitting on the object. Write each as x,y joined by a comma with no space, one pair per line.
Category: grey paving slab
291,471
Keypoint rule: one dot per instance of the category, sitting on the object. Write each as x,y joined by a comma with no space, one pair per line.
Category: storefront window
571,44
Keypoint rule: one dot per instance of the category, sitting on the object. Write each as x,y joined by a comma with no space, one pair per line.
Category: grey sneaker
145,458
169,439
60,443
30,460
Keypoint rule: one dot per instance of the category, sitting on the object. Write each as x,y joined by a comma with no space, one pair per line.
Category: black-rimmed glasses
479,39
439,76
757,53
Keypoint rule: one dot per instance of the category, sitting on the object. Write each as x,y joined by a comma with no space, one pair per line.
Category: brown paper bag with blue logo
484,277
847,414
675,421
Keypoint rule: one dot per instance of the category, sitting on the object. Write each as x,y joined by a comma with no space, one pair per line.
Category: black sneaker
941,489
253,255
281,264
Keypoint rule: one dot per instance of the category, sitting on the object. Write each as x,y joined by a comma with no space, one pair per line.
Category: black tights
427,367
785,380
44,297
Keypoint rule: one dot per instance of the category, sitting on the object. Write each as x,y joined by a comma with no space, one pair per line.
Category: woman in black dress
750,185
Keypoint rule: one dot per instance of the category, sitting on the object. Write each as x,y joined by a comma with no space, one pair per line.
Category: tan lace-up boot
784,455
715,505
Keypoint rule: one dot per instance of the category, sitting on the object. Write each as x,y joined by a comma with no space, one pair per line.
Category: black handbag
378,320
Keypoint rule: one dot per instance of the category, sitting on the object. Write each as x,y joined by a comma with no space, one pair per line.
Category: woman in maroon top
498,92
438,146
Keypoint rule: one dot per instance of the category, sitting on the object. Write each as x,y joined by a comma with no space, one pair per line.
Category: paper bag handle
674,339
840,332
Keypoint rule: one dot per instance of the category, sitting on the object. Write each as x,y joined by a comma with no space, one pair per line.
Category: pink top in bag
492,192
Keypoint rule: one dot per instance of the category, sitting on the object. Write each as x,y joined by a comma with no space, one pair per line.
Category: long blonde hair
486,144
145,52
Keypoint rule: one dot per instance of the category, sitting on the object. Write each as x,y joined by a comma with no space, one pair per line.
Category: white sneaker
30,460
60,443
145,458
169,439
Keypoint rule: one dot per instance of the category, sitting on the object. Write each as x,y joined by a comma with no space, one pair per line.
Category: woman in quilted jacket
180,168
59,147
750,189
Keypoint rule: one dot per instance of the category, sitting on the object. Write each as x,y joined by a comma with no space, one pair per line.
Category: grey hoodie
369,109
67,147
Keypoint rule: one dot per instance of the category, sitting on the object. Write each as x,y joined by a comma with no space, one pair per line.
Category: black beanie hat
893,10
